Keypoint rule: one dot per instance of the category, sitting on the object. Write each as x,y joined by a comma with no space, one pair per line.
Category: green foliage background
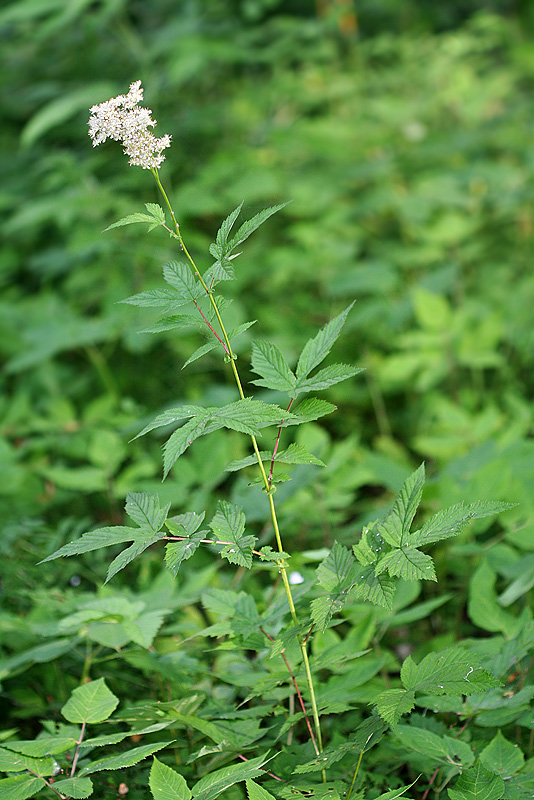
402,132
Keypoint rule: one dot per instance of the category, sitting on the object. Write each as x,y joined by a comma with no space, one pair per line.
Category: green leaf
178,552
316,349
76,788
20,787
94,540
452,671
154,216
257,792
397,524
170,416
228,524
214,343
324,378
378,589
123,760
477,783
166,784
212,785
92,702
145,510
408,563
336,574
249,416
295,454
269,362
366,735
309,410
253,224
224,231
17,762
180,440
180,276
444,749
165,299
142,541
393,703
173,322
483,607
450,521
394,793
502,757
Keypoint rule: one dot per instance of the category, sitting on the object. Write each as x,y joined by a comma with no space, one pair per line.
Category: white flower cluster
122,119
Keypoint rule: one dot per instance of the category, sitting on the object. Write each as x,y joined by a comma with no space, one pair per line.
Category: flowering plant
294,676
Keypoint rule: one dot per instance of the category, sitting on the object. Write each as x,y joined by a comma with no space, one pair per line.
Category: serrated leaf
309,410
123,760
142,541
444,749
269,362
316,349
93,702
228,524
324,378
502,757
253,224
76,788
170,416
408,563
295,454
21,787
396,526
145,510
453,672
165,299
224,231
378,589
477,783
211,345
210,786
178,552
450,521
94,540
155,217
173,322
257,792
249,416
180,440
366,735
185,524
336,574
181,278
17,762
166,784
393,703
38,748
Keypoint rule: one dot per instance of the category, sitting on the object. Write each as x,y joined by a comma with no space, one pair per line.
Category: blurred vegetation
402,133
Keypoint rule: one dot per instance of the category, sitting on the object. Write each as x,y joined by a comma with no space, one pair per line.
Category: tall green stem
267,486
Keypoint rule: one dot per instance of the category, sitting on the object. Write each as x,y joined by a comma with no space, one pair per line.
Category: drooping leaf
167,784
249,416
336,574
18,762
142,541
170,416
477,783
269,362
178,552
123,760
316,349
213,343
94,540
180,440
378,589
93,702
165,299
326,377
366,735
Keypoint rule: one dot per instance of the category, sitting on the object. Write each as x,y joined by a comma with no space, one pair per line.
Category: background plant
428,225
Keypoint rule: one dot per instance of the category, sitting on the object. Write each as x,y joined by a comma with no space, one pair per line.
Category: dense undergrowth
408,160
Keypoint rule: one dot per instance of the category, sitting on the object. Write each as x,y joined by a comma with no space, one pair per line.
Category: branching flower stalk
122,119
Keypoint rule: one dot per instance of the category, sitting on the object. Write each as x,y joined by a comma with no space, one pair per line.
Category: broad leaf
453,671
408,563
167,784
295,454
93,702
336,574
228,525
444,749
477,783
173,322
393,703
181,278
316,349
257,792
20,787
269,362
502,757
378,589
